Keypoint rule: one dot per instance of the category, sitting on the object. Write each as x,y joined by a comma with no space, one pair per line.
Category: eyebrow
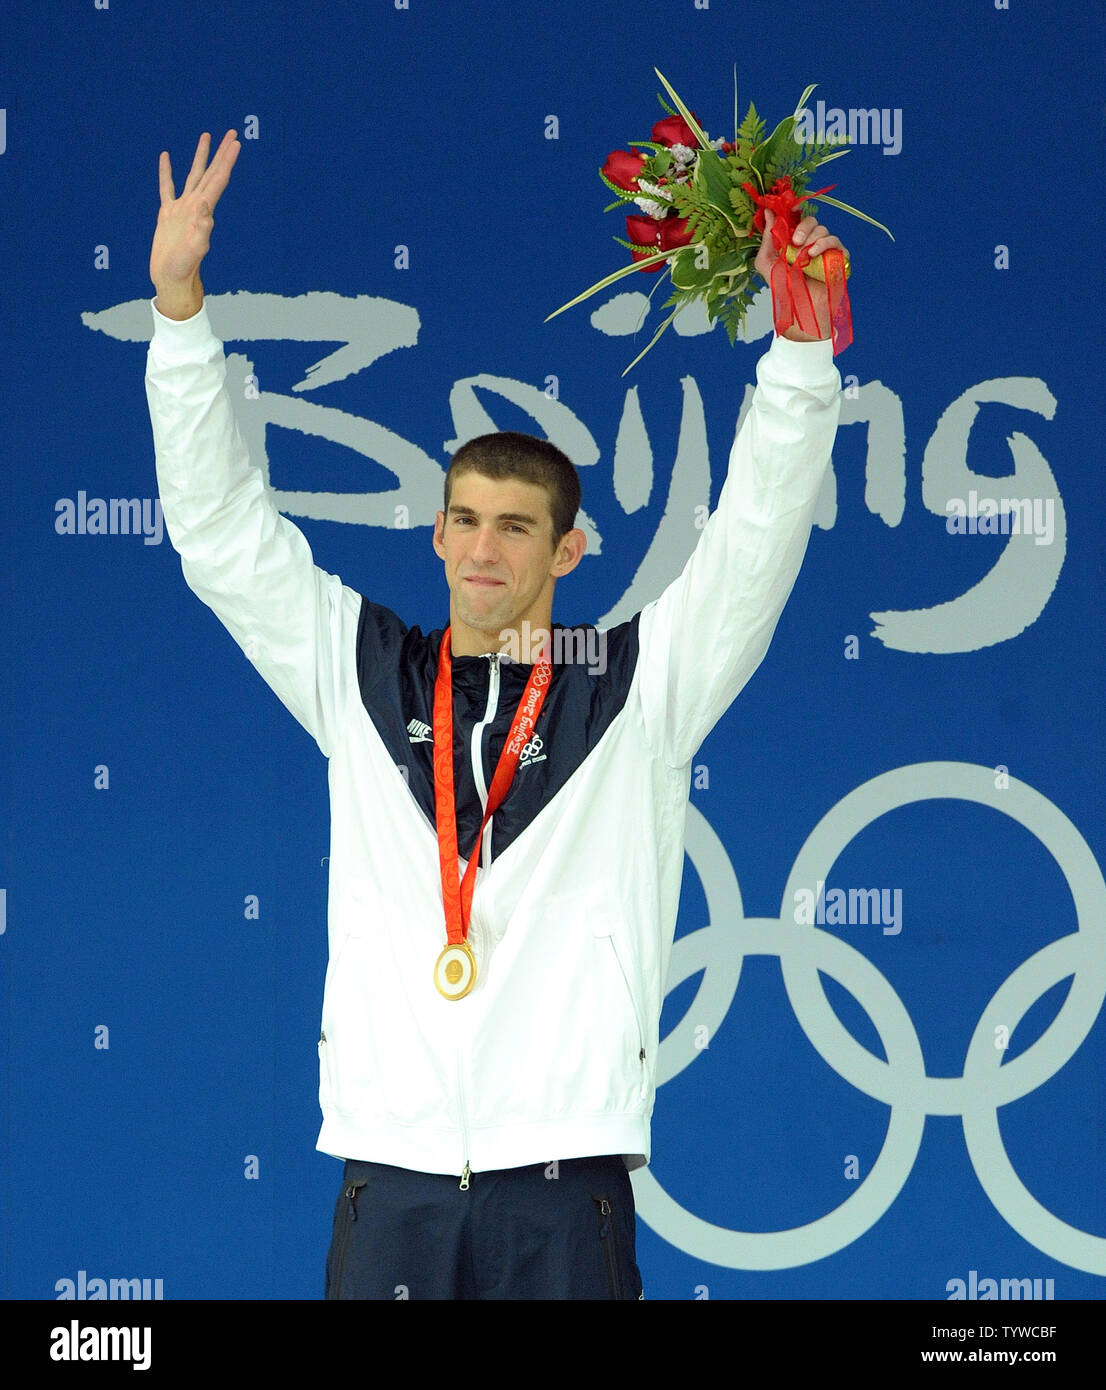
455,508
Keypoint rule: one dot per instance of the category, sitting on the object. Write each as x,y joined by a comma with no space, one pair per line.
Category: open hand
183,235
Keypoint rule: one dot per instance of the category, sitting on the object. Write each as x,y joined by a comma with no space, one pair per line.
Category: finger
165,178
217,176
199,162
807,229
222,163
824,243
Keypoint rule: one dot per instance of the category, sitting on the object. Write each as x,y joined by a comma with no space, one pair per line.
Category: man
489,1042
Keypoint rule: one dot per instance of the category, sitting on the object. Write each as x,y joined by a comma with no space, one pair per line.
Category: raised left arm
707,633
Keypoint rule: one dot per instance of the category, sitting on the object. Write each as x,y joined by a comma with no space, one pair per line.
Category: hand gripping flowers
700,215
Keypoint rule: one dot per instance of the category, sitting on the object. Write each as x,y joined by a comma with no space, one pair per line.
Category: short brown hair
509,454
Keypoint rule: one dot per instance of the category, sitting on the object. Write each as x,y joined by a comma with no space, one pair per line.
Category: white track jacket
554,1052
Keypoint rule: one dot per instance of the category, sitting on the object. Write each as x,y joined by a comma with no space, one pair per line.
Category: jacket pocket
608,1241
607,940
324,1075
345,1214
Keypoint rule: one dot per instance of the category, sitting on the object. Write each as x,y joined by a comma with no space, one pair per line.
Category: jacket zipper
466,1171
477,752
477,758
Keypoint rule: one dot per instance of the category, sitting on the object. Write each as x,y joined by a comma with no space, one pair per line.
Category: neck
522,642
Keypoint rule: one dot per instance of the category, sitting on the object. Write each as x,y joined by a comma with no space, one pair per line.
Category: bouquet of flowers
701,207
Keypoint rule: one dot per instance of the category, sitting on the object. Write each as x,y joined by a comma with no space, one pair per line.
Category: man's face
497,544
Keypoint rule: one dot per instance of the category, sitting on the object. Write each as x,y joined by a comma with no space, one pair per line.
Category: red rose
644,231
674,232
674,130
665,235
623,167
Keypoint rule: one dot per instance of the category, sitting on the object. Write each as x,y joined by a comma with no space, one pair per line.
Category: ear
569,553
439,533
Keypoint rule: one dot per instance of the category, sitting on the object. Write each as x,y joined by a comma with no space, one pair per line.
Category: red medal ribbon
791,301
456,892
841,319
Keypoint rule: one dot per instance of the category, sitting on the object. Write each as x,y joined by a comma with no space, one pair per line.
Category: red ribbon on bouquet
791,301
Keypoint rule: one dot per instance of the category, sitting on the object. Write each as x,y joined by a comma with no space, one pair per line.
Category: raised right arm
245,560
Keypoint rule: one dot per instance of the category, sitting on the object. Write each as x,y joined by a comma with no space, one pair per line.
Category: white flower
682,154
650,206
717,144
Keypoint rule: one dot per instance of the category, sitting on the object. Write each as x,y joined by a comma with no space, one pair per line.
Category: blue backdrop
904,1107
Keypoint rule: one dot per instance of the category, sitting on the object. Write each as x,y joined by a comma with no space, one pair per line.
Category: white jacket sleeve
708,632
248,563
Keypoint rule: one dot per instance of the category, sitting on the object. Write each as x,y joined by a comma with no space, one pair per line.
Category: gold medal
455,968
455,971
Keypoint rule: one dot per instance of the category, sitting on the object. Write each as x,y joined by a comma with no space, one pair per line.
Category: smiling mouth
476,579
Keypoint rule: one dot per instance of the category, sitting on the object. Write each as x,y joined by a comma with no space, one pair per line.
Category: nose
485,546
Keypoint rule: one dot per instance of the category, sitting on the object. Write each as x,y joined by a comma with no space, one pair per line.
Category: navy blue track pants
561,1230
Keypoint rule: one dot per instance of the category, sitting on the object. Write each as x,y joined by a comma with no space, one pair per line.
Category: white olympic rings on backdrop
901,1082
